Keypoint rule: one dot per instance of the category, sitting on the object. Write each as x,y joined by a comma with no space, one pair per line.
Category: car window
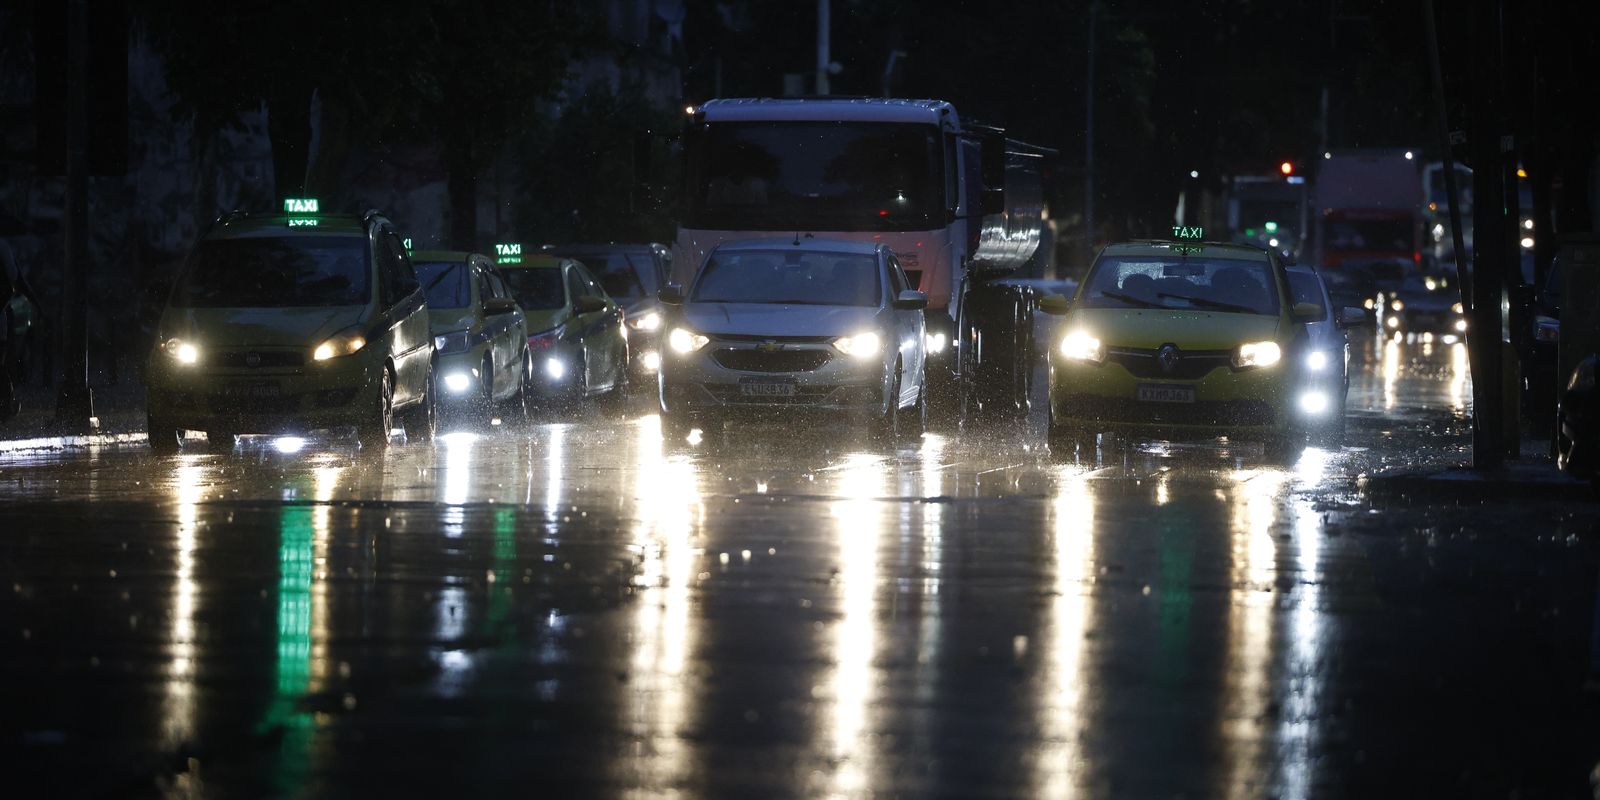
445,283
897,277
1307,289
498,283
1182,282
793,277
591,286
276,272
485,286
403,279
575,287
536,289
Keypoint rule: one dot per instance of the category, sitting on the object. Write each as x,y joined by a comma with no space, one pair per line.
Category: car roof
601,247
1154,247
811,244
276,225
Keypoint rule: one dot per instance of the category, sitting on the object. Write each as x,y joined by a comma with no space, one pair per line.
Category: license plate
766,389
253,391
1163,393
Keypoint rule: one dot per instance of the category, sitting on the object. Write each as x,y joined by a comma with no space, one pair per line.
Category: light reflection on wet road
583,609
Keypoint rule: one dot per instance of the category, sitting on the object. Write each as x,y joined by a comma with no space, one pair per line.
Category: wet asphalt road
579,609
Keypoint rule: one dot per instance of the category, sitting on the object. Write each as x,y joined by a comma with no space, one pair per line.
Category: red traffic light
1287,168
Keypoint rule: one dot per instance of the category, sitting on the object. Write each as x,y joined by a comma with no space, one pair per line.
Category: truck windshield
790,278
276,272
1189,284
1369,235
839,176
445,283
536,289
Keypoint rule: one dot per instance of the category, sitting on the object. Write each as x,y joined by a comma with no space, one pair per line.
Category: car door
406,317
608,332
509,333
908,328
579,324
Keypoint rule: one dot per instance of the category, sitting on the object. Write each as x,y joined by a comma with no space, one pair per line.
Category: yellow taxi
288,322
1179,339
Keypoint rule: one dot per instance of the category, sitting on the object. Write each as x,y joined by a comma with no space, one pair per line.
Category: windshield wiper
437,278
1131,300
1205,302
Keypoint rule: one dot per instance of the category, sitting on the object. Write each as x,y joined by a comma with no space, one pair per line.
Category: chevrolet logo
769,346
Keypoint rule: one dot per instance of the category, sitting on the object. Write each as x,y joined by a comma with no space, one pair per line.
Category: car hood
444,320
1189,330
260,327
772,319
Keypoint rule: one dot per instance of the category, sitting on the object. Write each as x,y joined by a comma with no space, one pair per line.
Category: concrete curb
1514,482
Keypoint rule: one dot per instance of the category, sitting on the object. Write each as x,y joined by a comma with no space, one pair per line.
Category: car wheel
221,441
165,439
373,433
422,423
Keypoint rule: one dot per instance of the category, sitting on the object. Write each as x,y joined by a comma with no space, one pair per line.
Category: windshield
791,278
625,277
1367,235
1307,289
845,176
536,289
1179,283
277,272
445,283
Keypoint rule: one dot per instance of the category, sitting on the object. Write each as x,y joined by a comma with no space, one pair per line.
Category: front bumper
740,377
1248,403
336,393
458,379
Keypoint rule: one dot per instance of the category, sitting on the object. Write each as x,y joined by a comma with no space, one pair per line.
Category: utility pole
74,403
1088,142
1489,243
824,50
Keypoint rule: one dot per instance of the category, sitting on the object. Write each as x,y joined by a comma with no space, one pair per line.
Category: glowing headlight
457,382
1080,346
1257,354
648,322
1461,325
454,341
340,344
1314,402
651,360
862,345
555,369
1394,322
1457,308
1316,361
181,351
1369,304
1396,305
936,343
683,341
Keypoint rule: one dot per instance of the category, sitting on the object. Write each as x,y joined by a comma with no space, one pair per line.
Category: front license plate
253,391
766,389
1163,393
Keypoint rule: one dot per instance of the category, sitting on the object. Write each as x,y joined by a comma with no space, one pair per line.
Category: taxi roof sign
1185,232
300,205
407,242
508,253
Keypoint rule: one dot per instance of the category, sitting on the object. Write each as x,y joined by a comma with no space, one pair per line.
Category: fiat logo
252,359
1168,356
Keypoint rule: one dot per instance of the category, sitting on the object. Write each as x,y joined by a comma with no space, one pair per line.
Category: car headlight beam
862,345
1257,354
1316,361
648,321
183,352
1080,346
686,341
340,344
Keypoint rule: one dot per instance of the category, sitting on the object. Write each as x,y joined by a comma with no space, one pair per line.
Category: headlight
555,368
1080,346
1457,308
936,343
1368,303
1314,403
181,351
1396,305
457,382
1394,322
343,343
648,322
861,345
452,342
1316,361
1257,354
683,341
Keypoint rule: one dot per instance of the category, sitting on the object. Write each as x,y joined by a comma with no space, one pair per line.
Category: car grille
774,361
1191,364
266,359
731,394
1212,413
740,337
232,404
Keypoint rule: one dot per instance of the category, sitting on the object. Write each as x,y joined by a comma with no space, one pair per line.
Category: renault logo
252,359
1168,356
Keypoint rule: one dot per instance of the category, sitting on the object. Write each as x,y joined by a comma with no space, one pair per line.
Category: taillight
543,341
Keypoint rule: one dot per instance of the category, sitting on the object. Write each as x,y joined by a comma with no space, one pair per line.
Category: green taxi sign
300,205
302,222
508,253
1185,232
407,242
1272,227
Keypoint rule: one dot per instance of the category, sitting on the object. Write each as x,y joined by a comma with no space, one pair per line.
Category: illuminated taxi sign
508,254
407,242
300,205
1187,249
1185,232
302,222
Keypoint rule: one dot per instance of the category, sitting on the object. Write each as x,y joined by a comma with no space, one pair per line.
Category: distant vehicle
480,336
575,330
632,274
1326,362
958,203
1422,305
1369,211
1183,339
289,322
788,327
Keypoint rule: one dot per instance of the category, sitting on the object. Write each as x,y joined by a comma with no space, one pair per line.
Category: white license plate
1162,393
766,389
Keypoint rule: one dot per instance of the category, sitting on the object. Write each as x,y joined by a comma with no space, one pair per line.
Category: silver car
780,327
1327,354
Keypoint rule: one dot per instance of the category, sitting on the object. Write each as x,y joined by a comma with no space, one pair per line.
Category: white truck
960,204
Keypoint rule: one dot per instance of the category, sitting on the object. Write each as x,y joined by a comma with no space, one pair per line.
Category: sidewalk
119,410
1532,477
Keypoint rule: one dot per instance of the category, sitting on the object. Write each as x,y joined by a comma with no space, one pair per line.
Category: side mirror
588,304
1055,304
499,305
671,294
1306,312
1352,317
909,300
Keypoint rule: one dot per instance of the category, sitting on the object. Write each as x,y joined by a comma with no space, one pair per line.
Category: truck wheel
165,439
373,433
